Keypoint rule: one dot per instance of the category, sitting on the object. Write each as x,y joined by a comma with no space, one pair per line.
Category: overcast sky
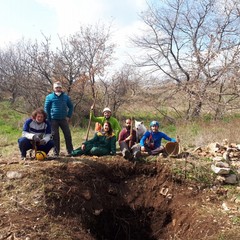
28,18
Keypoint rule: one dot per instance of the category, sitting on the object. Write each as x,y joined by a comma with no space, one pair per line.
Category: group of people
41,132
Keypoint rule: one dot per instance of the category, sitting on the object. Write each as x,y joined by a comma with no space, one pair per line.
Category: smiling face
106,127
154,128
107,114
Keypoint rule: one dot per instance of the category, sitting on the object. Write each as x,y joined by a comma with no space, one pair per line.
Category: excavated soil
109,198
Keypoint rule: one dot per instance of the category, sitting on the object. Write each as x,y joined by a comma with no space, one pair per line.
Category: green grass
10,127
192,133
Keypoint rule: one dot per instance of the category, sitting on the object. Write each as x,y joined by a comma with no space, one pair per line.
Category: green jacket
113,121
99,145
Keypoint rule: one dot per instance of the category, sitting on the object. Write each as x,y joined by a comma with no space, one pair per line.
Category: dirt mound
106,198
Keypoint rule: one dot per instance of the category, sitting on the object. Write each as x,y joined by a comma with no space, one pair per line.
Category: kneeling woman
103,143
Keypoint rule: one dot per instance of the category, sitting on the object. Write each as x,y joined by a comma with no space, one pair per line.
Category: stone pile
225,158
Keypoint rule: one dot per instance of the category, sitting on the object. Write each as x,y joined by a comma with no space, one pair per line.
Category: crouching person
36,134
103,143
127,142
151,140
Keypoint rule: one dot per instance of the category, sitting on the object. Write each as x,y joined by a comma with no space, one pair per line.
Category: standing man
107,116
59,108
127,141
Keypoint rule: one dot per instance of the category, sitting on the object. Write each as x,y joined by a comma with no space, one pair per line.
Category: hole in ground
119,201
124,223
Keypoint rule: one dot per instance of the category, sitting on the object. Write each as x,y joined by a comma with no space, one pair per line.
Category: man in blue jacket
59,109
151,140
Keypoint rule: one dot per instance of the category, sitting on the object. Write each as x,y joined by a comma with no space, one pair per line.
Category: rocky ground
110,198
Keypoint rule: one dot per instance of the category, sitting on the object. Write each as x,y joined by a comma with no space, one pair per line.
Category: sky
29,19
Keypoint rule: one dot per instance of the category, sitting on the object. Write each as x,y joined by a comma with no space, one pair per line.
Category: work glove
36,138
42,142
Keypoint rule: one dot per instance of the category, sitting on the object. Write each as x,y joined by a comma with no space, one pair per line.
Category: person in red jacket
127,141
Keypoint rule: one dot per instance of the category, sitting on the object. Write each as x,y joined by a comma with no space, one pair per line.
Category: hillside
110,198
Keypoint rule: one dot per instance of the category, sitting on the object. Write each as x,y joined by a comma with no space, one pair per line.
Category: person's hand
68,119
42,142
83,147
128,138
92,107
143,149
36,138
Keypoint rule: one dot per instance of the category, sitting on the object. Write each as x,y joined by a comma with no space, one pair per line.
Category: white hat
57,84
106,109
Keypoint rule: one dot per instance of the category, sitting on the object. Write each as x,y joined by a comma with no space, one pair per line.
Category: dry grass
195,134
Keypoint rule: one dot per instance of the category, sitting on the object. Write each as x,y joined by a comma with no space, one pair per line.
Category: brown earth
109,198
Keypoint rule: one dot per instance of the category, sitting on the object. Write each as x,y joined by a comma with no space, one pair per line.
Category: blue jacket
154,138
58,107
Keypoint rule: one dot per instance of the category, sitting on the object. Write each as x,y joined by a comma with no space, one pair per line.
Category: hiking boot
126,154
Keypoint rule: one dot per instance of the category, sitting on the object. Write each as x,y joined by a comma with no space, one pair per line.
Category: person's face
154,128
107,114
105,127
128,123
58,89
39,118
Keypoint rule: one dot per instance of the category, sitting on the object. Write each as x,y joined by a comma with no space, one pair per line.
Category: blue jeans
26,144
63,124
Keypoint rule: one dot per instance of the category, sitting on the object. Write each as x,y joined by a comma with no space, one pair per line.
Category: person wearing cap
107,116
127,141
151,140
59,109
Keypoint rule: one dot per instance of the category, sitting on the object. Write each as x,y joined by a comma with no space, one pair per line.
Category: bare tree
92,45
10,72
41,59
20,79
121,88
194,44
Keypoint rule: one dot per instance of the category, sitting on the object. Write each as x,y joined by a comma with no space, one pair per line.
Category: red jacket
126,133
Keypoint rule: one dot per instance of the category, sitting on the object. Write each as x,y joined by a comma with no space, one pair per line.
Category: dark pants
63,124
26,144
155,151
125,147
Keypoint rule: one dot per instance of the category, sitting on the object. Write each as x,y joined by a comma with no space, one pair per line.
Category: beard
128,127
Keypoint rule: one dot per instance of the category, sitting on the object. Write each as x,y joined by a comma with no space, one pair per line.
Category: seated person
36,134
103,143
127,140
151,140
